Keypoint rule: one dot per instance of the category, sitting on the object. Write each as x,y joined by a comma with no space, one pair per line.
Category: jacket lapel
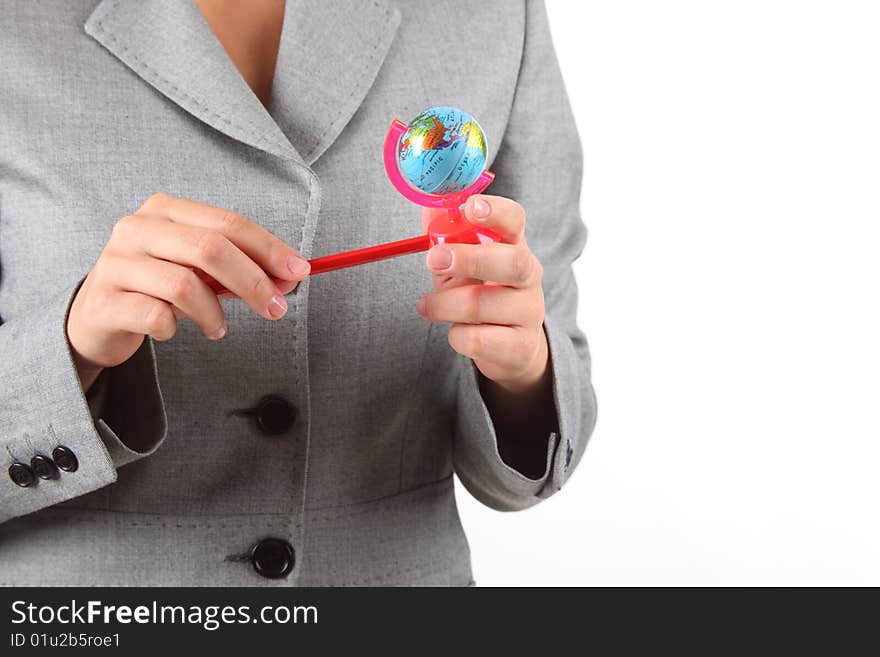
329,56
170,45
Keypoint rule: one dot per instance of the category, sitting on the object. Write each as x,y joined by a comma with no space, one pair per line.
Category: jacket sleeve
539,164
42,407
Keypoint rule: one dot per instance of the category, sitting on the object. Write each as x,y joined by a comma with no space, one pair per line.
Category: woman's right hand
154,268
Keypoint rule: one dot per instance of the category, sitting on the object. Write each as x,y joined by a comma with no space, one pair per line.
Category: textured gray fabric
106,103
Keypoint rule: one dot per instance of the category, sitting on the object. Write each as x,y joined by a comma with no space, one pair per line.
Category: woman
298,431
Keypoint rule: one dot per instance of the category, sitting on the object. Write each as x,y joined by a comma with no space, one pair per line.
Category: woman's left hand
491,293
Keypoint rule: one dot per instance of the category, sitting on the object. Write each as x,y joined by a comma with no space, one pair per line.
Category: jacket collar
329,55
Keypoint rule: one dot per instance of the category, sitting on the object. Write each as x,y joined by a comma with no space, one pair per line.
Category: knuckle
476,343
182,285
428,311
99,297
474,263
160,321
159,199
473,306
278,252
536,314
232,223
97,304
123,228
455,340
467,341
102,269
262,286
523,266
525,346
538,270
210,246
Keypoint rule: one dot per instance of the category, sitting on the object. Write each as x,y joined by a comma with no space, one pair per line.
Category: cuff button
65,458
43,467
22,475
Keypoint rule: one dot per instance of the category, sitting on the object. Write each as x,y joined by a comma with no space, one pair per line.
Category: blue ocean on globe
443,151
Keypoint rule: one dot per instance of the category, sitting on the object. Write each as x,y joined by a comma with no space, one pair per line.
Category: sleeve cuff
477,458
44,407
131,416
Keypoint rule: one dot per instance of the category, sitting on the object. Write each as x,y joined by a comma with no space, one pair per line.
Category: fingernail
481,208
219,333
420,306
297,266
440,258
277,307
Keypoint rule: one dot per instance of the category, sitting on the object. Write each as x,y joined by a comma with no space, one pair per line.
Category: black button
274,415
65,458
43,467
273,558
22,475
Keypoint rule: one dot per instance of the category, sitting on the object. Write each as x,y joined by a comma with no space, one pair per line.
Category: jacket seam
383,497
409,413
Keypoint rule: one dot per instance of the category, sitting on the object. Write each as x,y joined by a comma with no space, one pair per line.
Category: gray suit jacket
181,472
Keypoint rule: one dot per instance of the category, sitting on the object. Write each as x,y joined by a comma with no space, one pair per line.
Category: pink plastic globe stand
451,228
454,227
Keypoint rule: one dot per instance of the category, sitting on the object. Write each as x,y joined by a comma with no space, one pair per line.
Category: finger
443,282
503,215
264,248
482,304
176,284
134,312
208,250
285,287
511,347
511,264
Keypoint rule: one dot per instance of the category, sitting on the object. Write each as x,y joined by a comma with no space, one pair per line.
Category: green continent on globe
443,151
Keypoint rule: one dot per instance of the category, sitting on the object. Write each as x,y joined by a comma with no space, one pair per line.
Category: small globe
443,151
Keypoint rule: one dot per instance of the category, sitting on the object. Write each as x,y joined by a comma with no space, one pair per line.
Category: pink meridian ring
453,227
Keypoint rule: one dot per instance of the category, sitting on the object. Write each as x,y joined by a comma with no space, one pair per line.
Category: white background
729,289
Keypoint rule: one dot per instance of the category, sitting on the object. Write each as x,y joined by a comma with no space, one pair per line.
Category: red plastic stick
370,254
355,257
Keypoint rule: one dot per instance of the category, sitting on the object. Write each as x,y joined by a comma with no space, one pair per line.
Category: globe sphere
443,151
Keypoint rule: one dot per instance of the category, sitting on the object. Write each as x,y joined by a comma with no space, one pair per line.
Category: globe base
454,228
